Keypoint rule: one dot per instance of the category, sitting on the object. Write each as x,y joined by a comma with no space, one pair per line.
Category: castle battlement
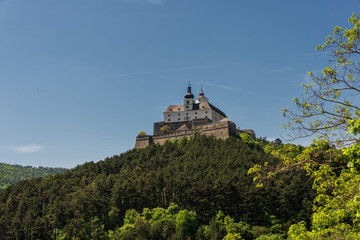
194,117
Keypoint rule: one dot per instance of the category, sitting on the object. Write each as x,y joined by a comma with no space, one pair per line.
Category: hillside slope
10,174
202,174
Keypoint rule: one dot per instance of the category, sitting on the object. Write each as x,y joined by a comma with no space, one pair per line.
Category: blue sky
80,78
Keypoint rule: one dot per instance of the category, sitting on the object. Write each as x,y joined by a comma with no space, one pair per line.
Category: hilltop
203,175
10,174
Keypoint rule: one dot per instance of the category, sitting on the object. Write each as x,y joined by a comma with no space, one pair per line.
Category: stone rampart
143,141
175,125
220,130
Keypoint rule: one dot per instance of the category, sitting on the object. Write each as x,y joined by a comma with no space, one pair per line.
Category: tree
142,133
277,141
165,129
337,204
330,99
186,223
202,174
329,110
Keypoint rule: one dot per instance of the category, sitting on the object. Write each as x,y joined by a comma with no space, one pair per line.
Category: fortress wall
161,139
157,127
143,141
173,126
220,130
200,122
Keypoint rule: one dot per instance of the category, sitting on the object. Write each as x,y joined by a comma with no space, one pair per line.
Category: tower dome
202,97
201,94
189,94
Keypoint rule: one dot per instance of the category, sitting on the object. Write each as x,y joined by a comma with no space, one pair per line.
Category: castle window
178,119
205,111
187,101
187,107
195,112
179,109
169,120
168,115
170,109
195,117
187,113
178,114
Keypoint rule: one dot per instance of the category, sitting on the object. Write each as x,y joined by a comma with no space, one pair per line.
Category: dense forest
203,180
10,174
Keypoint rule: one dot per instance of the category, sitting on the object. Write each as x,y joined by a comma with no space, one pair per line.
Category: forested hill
10,174
202,174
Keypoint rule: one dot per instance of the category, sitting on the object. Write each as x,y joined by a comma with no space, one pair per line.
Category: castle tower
202,98
188,100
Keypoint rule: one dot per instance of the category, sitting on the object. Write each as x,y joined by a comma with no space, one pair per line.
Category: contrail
307,54
229,88
177,69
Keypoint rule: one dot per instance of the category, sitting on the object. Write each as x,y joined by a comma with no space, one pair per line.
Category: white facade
180,116
193,110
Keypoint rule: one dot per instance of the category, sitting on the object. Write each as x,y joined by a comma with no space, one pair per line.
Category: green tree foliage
277,141
142,133
335,179
10,174
165,129
337,204
175,223
270,237
332,109
201,174
330,100
159,223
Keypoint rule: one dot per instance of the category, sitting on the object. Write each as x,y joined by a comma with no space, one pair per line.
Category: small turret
201,94
202,97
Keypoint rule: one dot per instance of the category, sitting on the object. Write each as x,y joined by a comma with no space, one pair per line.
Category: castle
194,116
